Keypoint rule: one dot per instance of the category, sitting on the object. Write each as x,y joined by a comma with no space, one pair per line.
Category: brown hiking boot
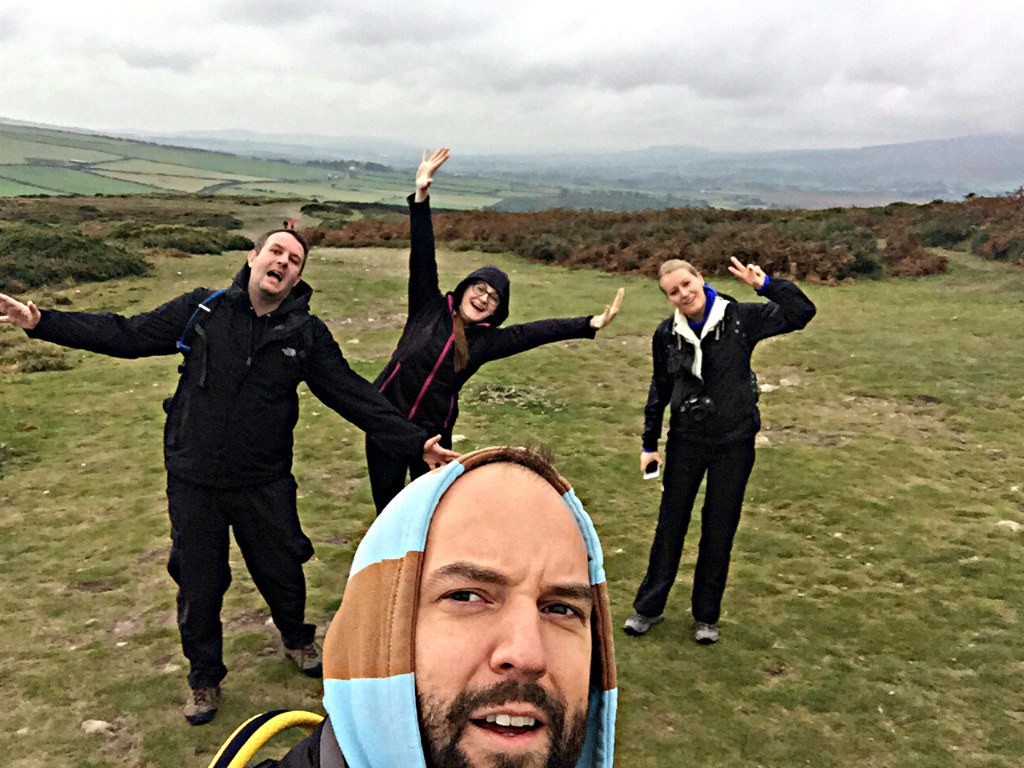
307,659
203,707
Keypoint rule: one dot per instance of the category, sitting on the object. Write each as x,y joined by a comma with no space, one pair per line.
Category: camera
697,407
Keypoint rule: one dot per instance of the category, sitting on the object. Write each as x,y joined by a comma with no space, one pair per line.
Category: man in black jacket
228,438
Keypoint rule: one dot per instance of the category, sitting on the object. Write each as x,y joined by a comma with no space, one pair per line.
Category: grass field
874,612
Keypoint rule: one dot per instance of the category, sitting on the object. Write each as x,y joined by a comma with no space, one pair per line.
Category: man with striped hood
474,631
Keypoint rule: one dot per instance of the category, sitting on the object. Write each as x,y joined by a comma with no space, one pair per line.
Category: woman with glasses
448,337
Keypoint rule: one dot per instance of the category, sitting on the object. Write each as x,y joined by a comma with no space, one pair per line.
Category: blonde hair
673,265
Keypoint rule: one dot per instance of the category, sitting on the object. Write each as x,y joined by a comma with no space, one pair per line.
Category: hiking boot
203,707
704,633
638,624
307,659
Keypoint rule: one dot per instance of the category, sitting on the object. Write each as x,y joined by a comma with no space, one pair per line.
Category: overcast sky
525,74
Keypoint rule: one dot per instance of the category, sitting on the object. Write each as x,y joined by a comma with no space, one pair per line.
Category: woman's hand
425,173
646,457
436,455
751,274
13,312
597,322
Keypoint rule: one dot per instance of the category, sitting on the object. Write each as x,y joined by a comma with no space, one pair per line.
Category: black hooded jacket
420,379
230,422
729,384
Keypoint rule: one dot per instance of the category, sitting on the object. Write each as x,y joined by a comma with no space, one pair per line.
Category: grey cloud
8,26
268,13
179,62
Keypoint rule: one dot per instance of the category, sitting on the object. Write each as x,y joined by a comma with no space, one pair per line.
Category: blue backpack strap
203,309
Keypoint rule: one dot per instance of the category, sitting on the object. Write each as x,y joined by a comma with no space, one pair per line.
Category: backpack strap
194,325
251,735
204,308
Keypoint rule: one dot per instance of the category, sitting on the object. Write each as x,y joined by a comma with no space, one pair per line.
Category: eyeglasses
482,289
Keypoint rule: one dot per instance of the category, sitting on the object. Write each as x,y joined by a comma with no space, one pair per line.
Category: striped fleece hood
369,666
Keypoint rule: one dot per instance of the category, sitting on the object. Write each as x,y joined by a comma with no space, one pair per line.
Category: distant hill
915,171
38,159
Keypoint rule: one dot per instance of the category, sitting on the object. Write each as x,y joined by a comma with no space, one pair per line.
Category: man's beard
442,730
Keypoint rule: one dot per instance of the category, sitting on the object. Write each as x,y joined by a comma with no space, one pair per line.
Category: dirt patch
339,539
853,416
126,627
350,325
247,619
528,398
95,586
785,434
151,555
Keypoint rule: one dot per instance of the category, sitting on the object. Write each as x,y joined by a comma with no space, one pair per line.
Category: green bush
942,233
35,256
219,221
187,239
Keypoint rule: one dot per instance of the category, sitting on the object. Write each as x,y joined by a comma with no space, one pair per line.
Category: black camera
697,407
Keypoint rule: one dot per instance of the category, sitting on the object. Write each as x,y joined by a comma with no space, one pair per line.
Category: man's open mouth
275,274
508,725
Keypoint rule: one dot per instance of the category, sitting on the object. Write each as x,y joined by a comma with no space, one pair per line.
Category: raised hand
435,455
425,173
597,322
751,274
13,312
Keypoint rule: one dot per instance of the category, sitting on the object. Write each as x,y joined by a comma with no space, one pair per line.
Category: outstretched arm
13,312
142,335
356,400
505,342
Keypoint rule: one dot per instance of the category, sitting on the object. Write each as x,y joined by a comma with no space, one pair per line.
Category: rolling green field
875,604
55,162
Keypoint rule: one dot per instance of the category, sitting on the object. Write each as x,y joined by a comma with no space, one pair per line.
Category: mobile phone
652,470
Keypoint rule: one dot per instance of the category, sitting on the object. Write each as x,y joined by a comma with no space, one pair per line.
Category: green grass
874,609
66,181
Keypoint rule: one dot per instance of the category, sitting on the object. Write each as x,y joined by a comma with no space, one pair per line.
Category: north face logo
289,352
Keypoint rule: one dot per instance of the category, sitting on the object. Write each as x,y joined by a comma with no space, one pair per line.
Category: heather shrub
35,256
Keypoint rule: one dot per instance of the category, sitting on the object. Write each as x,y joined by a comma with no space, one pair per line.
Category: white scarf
682,327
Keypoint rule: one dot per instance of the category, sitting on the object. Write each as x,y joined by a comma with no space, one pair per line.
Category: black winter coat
420,379
231,419
728,379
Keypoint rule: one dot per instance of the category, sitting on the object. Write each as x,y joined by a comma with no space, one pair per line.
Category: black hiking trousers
266,527
388,472
728,467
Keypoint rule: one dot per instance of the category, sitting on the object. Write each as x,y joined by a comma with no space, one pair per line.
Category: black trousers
728,468
387,472
266,527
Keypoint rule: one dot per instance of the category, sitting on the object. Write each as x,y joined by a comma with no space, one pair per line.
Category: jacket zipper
390,377
433,372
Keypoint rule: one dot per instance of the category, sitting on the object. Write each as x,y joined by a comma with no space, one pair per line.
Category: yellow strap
295,718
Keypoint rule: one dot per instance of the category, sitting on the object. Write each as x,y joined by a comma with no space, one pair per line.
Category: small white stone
97,726
1011,525
457,439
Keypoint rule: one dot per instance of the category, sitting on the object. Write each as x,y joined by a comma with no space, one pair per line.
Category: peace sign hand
751,274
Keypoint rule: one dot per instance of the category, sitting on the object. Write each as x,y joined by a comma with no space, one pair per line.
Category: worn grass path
875,608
